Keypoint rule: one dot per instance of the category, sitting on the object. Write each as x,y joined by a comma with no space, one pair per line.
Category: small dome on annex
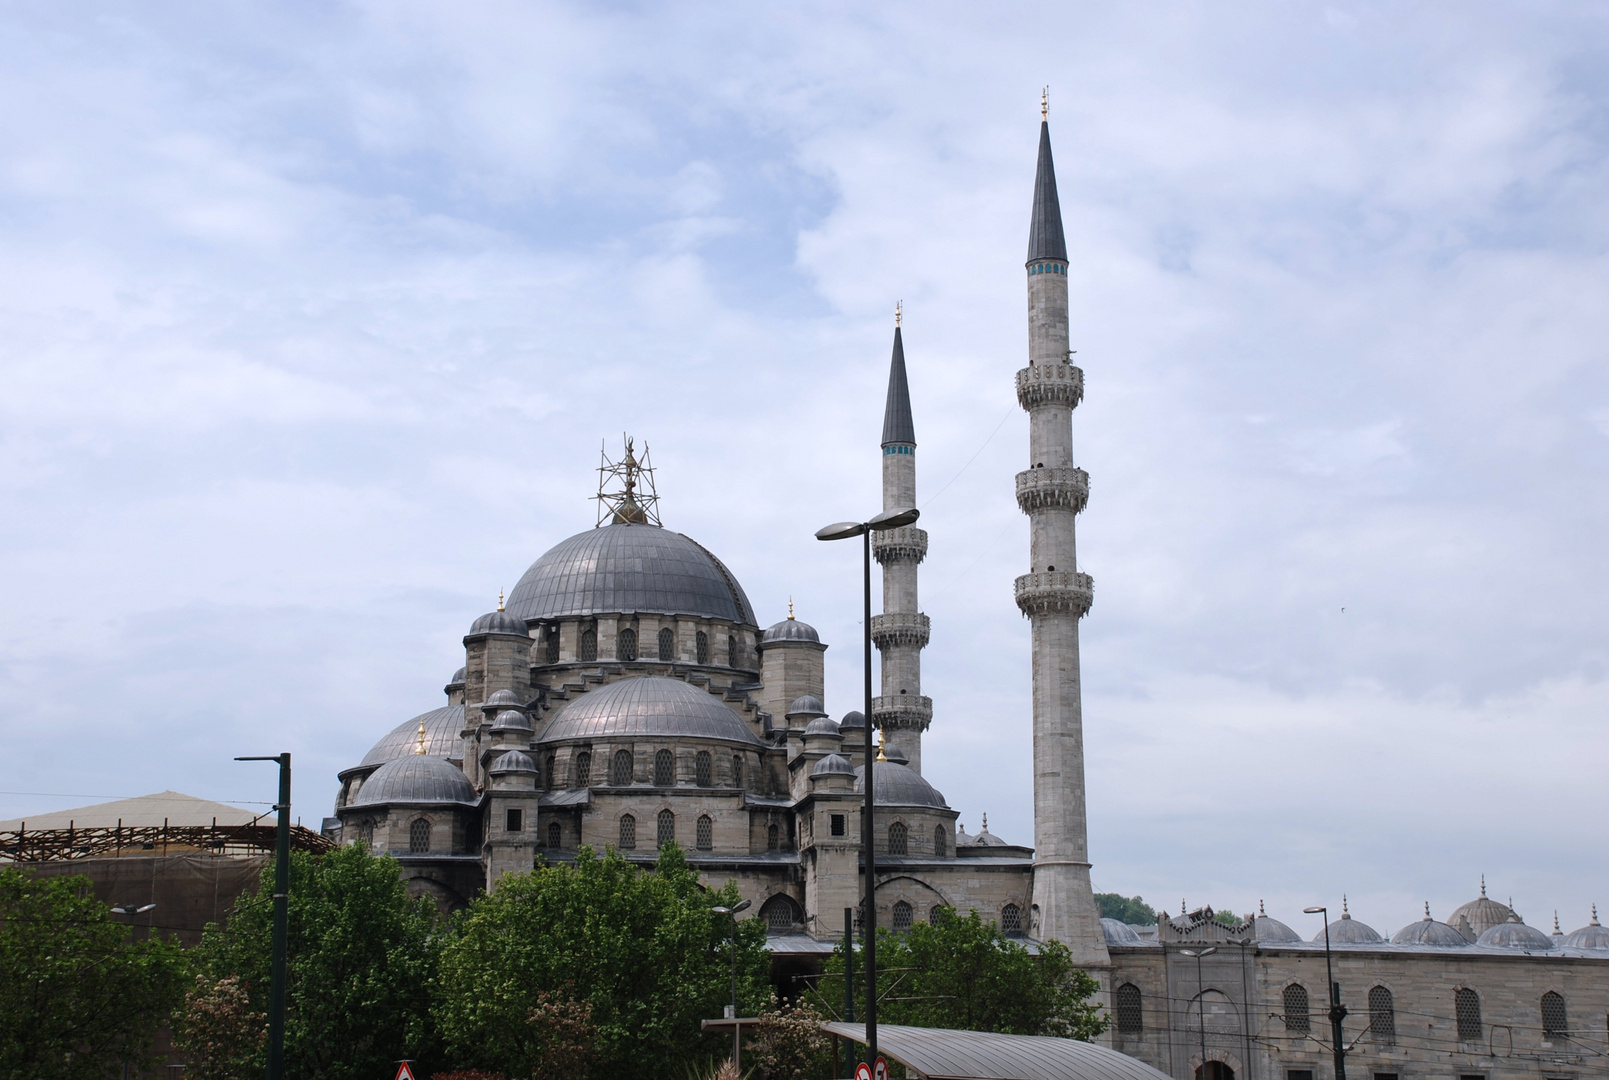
790,629
500,622
1428,931
900,785
1594,935
1348,931
1515,935
1270,931
853,721
513,762
442,729
416,779
1481,913
625,567
806,705
1119,933
834,765
647,706
821,725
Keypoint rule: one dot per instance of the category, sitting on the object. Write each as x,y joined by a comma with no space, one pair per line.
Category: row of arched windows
623,767
626,647
664,831
899,840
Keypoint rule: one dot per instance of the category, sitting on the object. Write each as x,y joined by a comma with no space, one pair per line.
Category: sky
314,317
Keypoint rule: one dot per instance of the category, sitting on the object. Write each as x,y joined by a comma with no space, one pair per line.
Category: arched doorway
1214,1070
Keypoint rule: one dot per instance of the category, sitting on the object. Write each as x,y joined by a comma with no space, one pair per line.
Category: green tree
642,949
362,959
1126,909
78,997
963,973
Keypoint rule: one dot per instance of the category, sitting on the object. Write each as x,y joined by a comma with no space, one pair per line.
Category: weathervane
636,502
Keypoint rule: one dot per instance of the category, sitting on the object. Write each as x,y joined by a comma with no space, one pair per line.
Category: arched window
737,772
703,765
1130,1016
902,916
933,914
583,769
1296,1018
589,645
667,644
1555,1024
896,838
667,828
626,644
366,833
773,838
1382,1014
1467,1006
555,835
781,914
1011,919
622,770
628,832
702,641
553,645
941,841
664,769
731,651
419,836
706,832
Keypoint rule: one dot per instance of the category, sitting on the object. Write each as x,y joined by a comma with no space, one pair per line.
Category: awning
940,1054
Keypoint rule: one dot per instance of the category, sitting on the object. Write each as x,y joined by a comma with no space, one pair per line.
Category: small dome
442,729
900,785
511,720
500,622
789,629
1591,936
648,706
985,838
1516,935
506,697
1483,912
1271,931
417,778
821,725
853,721
458,678
1348,931
1428,931
512,762
806,705
1119,933
896,755
834,765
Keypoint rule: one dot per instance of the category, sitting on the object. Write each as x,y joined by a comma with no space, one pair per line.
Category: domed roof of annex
1348,931
417,778
500,622
442,728
1591,936
1270,931
1516,935
790,629
834,765
1482,912
821,725
899,785
1428,931
647,706
629,568
1119,933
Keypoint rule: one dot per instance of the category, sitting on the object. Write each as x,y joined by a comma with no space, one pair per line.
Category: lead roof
897,424
1045,238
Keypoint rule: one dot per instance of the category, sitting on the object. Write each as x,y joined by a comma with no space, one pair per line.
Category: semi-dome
834,765
650,706
629,568
1591,936
1428,931
1516,935
1119,933
442,728
1270,931
821,725
417,778
790,629
500,622
1482,913
1348,931
899,785
512,762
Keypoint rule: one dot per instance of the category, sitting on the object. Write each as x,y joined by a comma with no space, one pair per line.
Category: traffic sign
403,1070
880,1070
863,1071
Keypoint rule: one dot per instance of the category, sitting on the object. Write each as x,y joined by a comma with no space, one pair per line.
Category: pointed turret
1045,238
897,425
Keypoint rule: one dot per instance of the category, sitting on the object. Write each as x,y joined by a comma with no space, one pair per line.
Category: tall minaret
1053,593
900,633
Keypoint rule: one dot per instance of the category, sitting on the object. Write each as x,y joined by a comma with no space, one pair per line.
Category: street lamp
282,889
129,909
844,530
737,1049
1337,1010
1201,1000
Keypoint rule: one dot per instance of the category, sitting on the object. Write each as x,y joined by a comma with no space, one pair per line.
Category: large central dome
629,568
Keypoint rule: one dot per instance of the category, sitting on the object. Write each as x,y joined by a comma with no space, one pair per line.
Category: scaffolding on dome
637,500
54,845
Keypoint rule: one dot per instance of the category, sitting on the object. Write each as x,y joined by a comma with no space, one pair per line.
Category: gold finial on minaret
499,599
880,756
790,609
899,310
1044,104
419,747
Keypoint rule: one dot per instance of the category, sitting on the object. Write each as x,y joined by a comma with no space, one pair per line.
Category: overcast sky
313,316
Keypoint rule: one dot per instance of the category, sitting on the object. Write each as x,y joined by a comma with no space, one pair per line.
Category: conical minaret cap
1045,238
897,424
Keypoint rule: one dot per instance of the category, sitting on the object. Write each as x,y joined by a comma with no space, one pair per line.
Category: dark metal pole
868,833
1337,1010
282,888
1201,1011
737,1029
849,965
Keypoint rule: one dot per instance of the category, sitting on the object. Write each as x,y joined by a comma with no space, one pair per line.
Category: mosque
625,696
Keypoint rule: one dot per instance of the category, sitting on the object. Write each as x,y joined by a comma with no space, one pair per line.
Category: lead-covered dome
1119,933
1270,931
1516,935
899,785
1428,931
1482,913
1591,936
500,622
1348,931
629,568
417,778
790,629
442,728
648,707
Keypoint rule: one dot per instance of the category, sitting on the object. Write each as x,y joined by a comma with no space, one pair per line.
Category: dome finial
1345,914
899,310
1556,929
985,821
880,756
1483,884
499,599
1427,910
1044,104
1262,912
1594,914
631,505
419,747
790,609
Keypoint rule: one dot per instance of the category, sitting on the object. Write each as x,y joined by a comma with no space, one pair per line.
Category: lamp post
1337,1010
737,1047
1201,1000
844,530
282,888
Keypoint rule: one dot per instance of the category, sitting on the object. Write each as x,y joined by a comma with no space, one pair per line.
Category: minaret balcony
900,628
902,712
1055,592
1050,384
906,544
1052,489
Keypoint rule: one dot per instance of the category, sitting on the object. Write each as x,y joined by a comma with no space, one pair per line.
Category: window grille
706,832
731,651
1130,1017
837,824
781,915
589,645
667,644
1011,919
667,828
553,644
902,916
1382,1014
622,770
664,769
896,838
626,644
628,832
773,838
366,833
703,765
1555,1024
941,841
555,835
516,819
933,914
737,772
1467,1004
419,836
583,769
702,641
1296,1018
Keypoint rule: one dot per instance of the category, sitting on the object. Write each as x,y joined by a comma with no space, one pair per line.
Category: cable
929,500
